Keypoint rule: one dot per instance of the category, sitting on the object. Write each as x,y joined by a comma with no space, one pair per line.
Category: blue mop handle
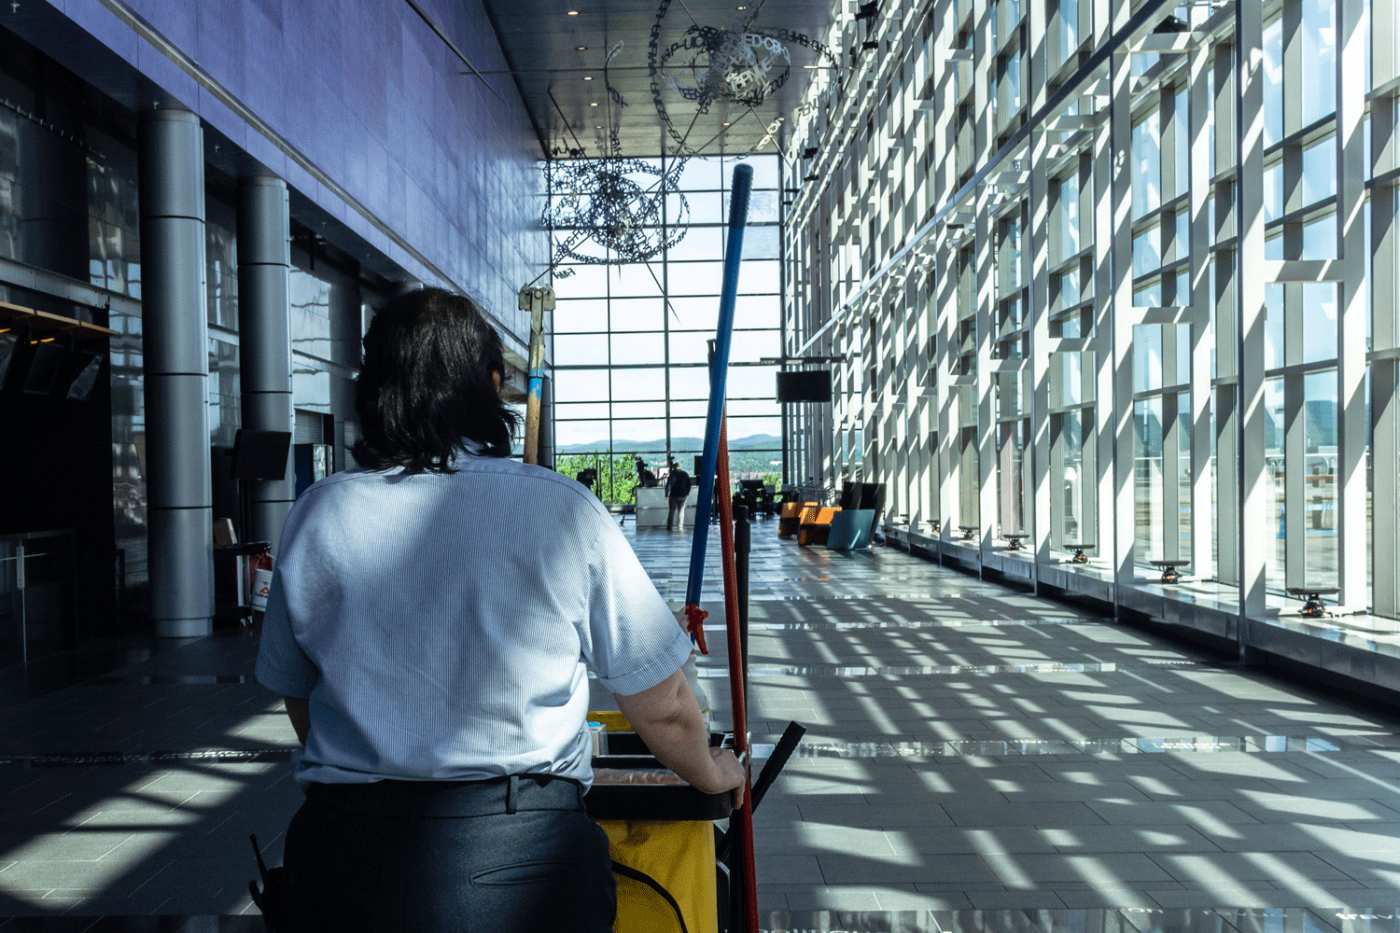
738,216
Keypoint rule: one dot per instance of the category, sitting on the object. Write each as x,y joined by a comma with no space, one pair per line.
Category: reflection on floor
976,759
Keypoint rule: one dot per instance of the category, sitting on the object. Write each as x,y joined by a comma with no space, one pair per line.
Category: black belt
450,799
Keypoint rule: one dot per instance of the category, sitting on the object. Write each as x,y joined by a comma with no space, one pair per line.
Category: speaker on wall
813,385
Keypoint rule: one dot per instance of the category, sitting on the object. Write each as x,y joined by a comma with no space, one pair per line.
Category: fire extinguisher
260,571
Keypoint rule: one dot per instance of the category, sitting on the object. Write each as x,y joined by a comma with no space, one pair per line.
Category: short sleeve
282,666
631,641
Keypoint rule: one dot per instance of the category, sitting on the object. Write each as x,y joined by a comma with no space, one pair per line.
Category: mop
714,466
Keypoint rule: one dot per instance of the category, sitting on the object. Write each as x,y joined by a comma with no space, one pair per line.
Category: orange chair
790,520
816,525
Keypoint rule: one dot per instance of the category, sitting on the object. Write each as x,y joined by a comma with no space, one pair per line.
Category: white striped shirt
440,624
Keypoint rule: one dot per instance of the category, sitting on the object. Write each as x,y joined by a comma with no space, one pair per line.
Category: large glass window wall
1163,293
631,341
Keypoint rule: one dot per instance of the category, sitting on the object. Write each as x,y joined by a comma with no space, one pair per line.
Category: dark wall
56,473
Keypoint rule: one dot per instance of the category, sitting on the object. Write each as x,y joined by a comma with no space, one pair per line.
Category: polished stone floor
976,760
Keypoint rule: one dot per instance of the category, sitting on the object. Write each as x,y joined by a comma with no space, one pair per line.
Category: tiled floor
976,759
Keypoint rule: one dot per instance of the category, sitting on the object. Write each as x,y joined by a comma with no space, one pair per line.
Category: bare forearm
668,720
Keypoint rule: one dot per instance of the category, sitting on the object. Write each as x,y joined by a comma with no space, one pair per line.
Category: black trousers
515,855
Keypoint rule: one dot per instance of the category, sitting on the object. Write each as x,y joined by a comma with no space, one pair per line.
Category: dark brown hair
425,384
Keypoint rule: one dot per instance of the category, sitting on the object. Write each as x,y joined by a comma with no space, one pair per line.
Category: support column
176,368
265,338
1250,420
546,453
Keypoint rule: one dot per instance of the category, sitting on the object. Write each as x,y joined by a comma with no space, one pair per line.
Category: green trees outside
617,474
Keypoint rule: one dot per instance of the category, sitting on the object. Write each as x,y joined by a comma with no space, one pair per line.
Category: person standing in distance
430,646
677,489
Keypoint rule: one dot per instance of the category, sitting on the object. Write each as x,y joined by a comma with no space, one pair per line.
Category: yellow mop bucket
662,835
665,872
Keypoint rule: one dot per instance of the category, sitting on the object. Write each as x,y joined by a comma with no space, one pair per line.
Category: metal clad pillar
1202,344
546,454
984,282
1227,333
1385,302
1038,446
1252,480
1117,298
176,368
265,335
1353,549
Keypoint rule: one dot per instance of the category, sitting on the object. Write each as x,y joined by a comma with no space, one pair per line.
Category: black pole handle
771,769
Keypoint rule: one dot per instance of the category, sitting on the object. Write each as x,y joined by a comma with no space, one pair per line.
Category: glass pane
577,316
1274,480
1147,251
1320,238
690,347
1273,82
690,382
695,278
1319,59
1273,326
581,435
757,277
635,279
694,314
704,243
645,409
581,350
587,281
1319,171
1147,165
630,349
1319,321
752,346
1320,477
581,385
751,382
1071,498
639,383
1147,472
1183,477
751,311
581,411
1147,357
636,314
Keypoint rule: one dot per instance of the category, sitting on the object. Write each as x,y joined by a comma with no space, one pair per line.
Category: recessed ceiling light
588,77
581,48
597,127
724,124
572,13
594,104
741,8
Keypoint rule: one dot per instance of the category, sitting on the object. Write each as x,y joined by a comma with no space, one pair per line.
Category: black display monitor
43,368
260,455
813,385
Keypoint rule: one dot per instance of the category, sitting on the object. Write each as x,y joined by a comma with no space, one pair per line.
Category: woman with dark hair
428,627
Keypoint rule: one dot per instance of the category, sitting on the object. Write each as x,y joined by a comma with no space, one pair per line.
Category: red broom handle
737,686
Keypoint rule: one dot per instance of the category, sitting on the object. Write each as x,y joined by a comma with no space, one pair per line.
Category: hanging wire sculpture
611,209
743,65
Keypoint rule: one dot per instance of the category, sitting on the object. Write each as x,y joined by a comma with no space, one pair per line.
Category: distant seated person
645,477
